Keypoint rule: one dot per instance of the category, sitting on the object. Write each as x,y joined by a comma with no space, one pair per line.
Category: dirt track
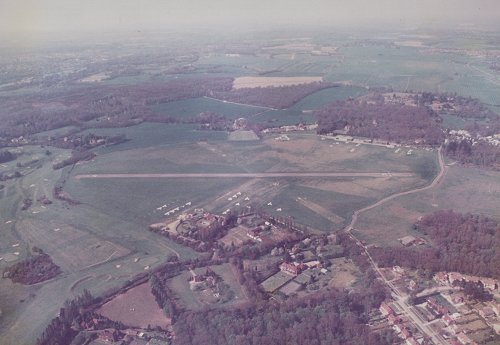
246,175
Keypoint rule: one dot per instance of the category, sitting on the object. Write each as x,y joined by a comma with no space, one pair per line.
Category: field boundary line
244,104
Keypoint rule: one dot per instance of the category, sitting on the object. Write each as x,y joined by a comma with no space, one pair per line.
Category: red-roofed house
385,309
405,333
441,278
291,268
447,319
393,319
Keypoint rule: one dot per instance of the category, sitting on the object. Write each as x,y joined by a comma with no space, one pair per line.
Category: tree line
107,106
391,122
278,97
467,152
464,243
327,317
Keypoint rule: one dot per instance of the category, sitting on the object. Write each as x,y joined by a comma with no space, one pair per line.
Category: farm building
407,240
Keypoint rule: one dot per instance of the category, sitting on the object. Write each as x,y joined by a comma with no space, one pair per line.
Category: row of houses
397,324
447,278
291,128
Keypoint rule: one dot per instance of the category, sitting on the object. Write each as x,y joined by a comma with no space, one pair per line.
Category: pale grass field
253,82
136,307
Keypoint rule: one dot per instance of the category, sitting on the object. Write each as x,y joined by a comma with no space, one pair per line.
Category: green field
455,122
324,204
155,134
462,190
89,236
190,108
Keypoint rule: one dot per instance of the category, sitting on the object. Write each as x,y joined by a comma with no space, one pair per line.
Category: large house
292,268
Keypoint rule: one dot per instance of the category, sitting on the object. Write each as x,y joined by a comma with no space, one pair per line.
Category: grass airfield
97,242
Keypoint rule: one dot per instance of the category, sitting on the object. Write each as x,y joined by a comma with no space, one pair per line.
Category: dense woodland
464,243
329,317
391,122
105,106
76,156
453,104
34,269
479,154
279,97
63,328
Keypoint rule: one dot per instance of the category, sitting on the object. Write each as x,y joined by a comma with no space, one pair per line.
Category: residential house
490,284
393,319
385,309
110,335
447,319
292,268
405,332
441,278
487,312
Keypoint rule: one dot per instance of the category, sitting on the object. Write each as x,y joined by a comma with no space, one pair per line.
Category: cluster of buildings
291,128
472,322
462,134
445,308
447,278
400,98
340,137
304,269
400,325
129,336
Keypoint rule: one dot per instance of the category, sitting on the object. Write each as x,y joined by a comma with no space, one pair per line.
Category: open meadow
320,202
463,189
137,308
252,82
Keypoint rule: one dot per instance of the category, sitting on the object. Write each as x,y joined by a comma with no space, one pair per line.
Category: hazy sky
35,16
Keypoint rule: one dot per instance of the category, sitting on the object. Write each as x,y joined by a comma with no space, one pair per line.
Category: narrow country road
399,298
437,179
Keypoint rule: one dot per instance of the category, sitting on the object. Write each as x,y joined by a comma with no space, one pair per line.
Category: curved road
437,179
400,298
